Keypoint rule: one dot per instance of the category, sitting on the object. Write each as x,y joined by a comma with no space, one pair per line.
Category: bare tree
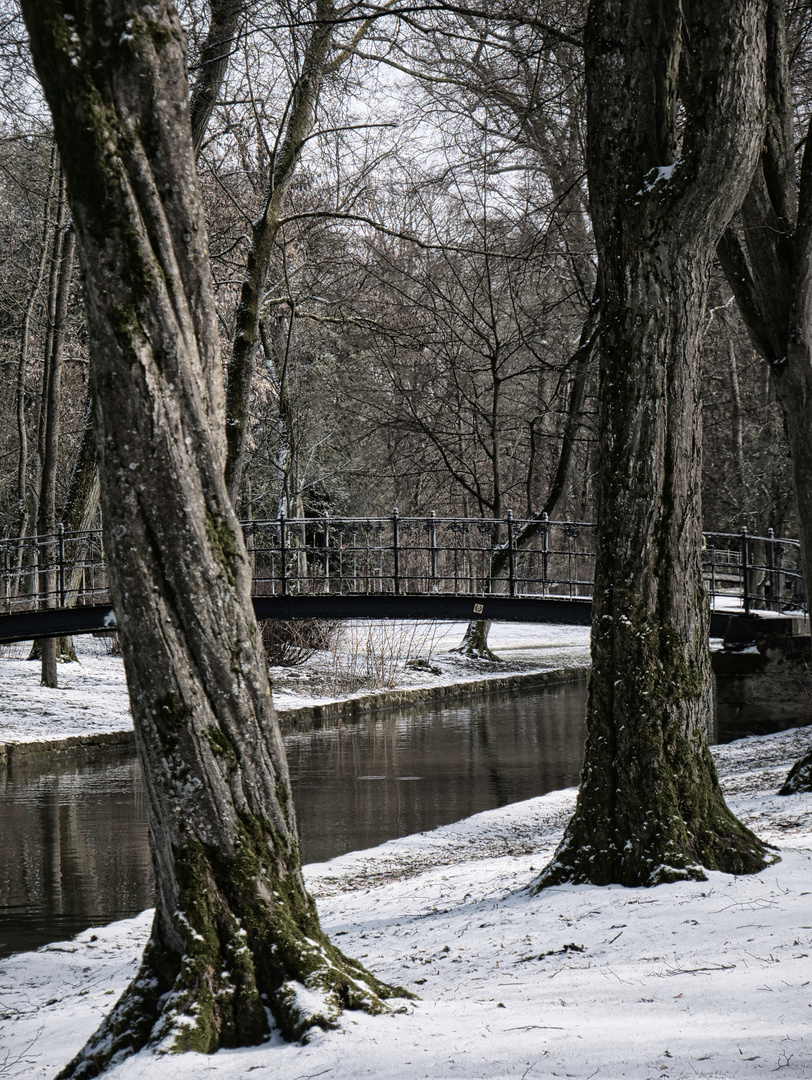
675,116
235,932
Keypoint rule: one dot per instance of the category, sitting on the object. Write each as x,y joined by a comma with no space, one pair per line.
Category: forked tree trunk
236,936
768,263
649,807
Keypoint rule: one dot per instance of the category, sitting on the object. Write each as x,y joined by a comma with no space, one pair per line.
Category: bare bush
15,650
290,642
374,656
109,638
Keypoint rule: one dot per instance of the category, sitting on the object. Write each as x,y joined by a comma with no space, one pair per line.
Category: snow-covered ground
690,980
92,695
708,979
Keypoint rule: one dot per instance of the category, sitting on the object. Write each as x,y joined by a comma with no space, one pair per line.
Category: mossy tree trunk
649,807
236,938
767,256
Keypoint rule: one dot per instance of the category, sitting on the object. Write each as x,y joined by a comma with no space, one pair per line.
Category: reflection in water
73,834
404,772
73,848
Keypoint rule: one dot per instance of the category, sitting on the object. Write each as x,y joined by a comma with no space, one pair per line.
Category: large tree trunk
768,263
235,935
649,806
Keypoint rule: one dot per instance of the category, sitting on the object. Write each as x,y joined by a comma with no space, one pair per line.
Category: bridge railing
54,570
750,572
419,555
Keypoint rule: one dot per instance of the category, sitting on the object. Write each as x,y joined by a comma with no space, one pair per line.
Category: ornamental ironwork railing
417,555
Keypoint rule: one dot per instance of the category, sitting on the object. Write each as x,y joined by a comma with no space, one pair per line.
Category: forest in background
405,206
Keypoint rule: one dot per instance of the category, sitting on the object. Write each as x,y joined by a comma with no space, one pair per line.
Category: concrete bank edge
345,709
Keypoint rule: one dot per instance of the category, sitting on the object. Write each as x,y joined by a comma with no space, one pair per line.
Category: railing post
775,593
433,543
745,571
511,554
326,551
61,553
396,547
712,550
6,579
283,550
545,552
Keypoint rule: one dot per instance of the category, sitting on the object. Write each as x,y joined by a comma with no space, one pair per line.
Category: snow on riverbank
710,979
92,695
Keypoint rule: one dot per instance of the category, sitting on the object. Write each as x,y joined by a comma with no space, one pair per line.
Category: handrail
426,554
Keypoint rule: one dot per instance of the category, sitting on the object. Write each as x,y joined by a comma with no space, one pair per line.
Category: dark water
73,836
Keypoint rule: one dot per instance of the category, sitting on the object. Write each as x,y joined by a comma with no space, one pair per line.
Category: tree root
179,1004
799,777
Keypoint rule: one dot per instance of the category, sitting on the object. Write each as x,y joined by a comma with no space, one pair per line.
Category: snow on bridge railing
417,555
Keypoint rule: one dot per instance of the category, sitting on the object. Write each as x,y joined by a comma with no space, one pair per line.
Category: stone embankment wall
763,681
346,709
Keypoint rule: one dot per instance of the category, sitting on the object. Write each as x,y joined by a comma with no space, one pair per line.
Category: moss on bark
234,979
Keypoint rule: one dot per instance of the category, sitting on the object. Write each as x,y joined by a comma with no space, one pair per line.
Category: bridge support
763,677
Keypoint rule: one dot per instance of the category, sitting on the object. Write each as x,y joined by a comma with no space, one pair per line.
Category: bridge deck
21,626
532,570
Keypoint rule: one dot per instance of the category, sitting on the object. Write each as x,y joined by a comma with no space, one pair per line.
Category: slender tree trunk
276,347
236,937
738,416
50,648
82,502
475,640
22,371
649,807
299,122
57,243
225,21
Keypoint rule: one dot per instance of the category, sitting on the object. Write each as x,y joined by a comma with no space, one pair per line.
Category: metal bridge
393,568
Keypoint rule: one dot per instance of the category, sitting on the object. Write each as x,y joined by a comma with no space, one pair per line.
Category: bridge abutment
762,677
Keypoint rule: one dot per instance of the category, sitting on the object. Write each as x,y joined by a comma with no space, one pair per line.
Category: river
73,834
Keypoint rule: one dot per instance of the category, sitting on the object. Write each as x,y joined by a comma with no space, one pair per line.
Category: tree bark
649,806
767,258
235,935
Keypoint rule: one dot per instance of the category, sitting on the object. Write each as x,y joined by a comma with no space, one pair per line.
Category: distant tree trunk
62,272
22,369
236,937
226,18
297,128
475,640
649,807
78,514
